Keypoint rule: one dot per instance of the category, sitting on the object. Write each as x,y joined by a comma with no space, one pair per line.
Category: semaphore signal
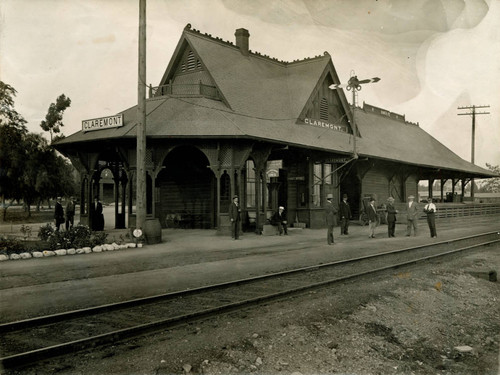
354,84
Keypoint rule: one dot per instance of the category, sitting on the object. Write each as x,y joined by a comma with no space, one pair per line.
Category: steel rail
59,349
54,318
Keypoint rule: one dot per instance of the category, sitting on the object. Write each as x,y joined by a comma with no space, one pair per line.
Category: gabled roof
388,138
263,99
258,78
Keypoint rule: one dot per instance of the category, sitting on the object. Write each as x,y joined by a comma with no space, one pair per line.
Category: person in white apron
430,211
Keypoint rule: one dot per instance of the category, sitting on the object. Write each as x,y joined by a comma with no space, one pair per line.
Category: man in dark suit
391,217
235,217
330,212
345,215
97,215
58,213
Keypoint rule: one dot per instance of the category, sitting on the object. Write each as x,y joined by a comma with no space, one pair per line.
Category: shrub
45,232
8,246
98,239
76,237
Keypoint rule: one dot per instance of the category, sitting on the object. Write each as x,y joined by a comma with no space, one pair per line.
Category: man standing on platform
391,217
330,212
345,215
411,216
234,215
430,210
372,218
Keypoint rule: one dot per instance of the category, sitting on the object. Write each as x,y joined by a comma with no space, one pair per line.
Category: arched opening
186,188
351,186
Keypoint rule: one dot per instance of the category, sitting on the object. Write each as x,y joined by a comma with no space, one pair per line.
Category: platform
188,259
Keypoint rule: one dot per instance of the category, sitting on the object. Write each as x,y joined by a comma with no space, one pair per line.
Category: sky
432,56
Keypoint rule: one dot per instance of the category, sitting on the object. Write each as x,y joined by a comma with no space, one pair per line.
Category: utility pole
473,113
354,84
141,121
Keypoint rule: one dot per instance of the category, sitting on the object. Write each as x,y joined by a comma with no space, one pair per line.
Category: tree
53,119
30,169
12,132
491,185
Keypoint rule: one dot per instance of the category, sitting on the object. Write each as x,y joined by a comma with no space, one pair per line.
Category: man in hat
345,215
97,215
372,218
411,216
70,213
235,217
391,216
58,213
330,212
280,219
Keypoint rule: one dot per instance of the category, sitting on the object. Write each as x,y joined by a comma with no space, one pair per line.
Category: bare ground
434,318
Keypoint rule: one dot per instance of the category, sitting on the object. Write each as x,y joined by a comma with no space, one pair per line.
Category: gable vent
323,110
191,61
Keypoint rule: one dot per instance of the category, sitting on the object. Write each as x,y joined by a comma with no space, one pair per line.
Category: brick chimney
242,36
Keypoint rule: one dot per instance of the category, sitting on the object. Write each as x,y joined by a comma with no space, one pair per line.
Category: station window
322,175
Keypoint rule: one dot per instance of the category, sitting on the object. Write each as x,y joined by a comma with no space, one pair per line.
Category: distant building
226,120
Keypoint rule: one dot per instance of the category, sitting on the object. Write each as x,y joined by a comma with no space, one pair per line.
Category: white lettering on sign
103,123
327,125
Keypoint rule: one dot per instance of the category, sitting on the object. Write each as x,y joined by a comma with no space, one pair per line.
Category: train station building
225,121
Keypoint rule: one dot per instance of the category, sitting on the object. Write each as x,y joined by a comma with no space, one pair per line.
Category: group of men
345,215
60,217
279,219
412,214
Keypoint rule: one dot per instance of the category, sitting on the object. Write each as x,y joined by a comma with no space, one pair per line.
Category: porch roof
381,137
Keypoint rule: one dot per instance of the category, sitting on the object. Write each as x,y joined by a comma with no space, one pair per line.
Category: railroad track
31,340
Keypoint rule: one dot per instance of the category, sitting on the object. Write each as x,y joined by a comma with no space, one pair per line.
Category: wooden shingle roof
263,99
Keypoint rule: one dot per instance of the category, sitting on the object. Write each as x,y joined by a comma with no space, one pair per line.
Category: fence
188,89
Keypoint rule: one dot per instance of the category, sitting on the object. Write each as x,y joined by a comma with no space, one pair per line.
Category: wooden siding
296,195
375,184
187,205
411,186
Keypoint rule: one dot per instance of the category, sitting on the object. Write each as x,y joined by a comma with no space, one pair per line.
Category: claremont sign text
103,123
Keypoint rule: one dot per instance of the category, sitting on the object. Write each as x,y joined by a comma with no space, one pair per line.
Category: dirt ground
435,318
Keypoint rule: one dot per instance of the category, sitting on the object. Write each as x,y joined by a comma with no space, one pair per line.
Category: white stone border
61,252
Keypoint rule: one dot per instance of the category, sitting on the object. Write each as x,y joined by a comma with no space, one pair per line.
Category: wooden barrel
152,231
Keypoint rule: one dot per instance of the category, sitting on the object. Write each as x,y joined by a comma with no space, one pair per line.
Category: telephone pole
472,112
141,121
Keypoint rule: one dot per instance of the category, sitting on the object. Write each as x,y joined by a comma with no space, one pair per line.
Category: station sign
102,123
326,125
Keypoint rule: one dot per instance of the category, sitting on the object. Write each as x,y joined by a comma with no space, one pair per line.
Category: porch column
232,181
264,192
463,189
442,189
258,185
217,214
